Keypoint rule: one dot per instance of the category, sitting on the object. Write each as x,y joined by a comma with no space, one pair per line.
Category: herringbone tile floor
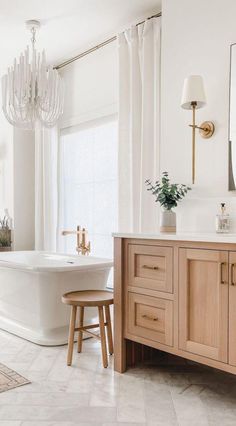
167,393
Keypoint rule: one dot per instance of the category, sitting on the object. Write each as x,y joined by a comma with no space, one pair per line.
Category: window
89,185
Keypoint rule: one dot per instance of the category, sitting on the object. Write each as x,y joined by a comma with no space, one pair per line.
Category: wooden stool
90,298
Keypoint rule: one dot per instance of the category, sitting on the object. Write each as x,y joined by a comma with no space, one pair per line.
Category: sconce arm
206,129
198,127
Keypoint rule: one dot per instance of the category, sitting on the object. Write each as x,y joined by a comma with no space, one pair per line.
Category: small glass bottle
222,221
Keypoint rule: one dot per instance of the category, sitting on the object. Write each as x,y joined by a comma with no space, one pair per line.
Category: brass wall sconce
193,98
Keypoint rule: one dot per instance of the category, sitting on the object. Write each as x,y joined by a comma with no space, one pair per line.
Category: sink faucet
83,246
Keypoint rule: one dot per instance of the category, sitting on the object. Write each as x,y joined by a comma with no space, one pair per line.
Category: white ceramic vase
168,221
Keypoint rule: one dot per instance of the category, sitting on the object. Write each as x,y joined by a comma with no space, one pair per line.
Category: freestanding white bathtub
31,286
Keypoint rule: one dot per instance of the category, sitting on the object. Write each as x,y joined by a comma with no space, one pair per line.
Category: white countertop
204,237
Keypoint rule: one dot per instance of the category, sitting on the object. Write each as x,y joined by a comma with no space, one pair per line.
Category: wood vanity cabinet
176,296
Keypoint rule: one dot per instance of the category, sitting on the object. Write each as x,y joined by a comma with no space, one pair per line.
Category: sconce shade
193,91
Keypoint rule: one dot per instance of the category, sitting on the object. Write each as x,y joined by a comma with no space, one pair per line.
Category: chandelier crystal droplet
32,90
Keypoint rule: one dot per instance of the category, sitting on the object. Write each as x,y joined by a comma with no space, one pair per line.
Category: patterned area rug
9,379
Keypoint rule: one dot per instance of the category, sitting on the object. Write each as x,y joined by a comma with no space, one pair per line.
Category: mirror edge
231,182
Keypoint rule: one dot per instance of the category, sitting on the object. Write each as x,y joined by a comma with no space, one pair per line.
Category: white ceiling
68,26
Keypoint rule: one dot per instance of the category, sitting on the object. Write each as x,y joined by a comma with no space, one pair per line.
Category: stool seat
88,298
102,299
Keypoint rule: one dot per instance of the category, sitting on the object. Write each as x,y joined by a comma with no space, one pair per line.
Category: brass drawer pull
154,268
221,273
232,266
150,318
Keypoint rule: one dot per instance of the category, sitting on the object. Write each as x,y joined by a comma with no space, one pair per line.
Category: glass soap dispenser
222,220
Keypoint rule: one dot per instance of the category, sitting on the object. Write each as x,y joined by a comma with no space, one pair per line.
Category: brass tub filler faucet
83,246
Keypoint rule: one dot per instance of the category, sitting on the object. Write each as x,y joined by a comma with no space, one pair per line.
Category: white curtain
139,124
46,188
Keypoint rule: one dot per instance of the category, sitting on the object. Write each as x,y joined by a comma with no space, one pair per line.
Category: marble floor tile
131,414
101,397
159,404
190,410
130,400
56,399
45,359
10,423
59,414
168,392
124,424
59,424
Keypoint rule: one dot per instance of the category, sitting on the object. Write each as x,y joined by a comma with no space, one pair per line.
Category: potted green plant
5,234
168,195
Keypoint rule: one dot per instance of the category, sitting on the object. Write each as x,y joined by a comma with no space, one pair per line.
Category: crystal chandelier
32,90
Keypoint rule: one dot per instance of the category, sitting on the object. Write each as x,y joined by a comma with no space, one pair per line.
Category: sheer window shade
89,184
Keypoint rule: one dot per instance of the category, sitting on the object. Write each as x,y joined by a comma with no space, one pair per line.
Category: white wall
17,182
6,165
196,36
23,189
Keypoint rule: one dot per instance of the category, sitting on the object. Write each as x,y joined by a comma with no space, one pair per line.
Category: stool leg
109,330
103,336
80,333
71,334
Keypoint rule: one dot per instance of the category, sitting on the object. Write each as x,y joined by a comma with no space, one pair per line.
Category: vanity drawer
150,318
150,267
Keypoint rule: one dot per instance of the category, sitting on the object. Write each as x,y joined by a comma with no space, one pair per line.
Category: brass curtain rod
104,43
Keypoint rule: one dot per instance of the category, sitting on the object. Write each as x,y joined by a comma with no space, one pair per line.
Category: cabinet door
203,302
232,308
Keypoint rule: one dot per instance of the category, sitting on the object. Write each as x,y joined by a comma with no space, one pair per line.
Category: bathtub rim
101,263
